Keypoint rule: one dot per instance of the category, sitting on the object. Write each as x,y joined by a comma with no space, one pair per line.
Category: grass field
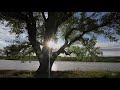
61,74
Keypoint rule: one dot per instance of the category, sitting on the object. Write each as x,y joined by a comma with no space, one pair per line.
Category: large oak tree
72,25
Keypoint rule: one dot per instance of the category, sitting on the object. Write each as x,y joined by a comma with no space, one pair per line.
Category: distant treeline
59,58
33,58
99,59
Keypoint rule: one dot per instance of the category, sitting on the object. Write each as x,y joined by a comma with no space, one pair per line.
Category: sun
51,44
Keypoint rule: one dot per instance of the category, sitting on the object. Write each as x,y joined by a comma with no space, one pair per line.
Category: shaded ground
61,74
16,73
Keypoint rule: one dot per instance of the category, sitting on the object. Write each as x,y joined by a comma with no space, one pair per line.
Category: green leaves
87,51
16,50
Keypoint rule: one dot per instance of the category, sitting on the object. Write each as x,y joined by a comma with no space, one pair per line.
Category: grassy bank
61,74
33,58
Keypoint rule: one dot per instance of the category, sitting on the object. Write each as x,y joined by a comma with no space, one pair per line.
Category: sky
105,44
6,37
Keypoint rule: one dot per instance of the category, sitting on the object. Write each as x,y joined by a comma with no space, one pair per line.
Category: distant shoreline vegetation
110,49
59,58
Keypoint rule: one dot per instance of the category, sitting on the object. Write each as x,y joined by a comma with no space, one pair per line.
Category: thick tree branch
61,50
44,16
66,41
53,21
16,15
50,26
31,26
32,20
40,43
69,32
89,30
67,53
63,16
82,25
80,36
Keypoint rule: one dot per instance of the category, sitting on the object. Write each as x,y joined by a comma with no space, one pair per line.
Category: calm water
111,53
59,65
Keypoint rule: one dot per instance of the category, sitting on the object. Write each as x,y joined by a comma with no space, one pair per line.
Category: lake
111,53
59,65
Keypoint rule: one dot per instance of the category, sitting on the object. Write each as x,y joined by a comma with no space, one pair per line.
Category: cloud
2,44
108,45
5,36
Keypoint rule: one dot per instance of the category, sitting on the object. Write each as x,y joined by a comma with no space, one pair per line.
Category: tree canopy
73,26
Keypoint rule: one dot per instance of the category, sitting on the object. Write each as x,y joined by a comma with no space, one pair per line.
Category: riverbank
59,58
60,74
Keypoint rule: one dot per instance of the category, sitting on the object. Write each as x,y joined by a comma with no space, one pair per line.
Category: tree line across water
59,58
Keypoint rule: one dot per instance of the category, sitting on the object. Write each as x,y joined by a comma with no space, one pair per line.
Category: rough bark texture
43,70
43,56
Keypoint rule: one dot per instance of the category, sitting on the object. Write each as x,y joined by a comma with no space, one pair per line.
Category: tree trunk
43,56
43,70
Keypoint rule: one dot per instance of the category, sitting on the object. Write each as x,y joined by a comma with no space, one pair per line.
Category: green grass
61,74
16,73
33,58
86,74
